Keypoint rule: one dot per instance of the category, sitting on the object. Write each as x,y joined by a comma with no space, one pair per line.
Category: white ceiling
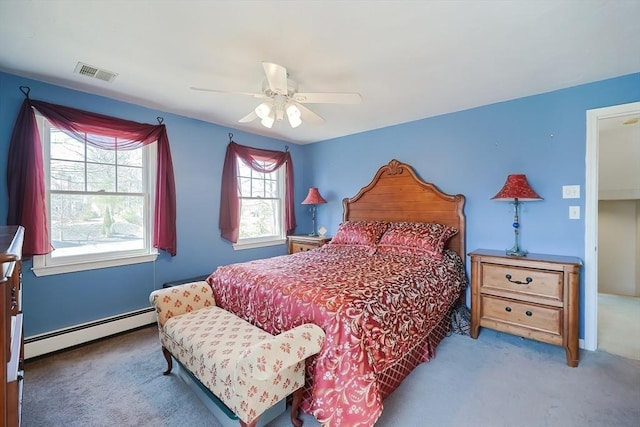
408,59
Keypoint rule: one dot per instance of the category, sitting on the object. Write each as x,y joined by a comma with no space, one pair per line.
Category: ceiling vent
95,72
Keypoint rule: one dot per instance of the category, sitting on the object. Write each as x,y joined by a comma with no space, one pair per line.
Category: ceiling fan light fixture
264,110
295,122
268,120
293,114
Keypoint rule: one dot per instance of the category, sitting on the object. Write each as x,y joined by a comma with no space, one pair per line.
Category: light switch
570,191
574,212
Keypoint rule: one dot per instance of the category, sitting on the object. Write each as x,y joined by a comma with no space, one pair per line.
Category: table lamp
516,189
313,198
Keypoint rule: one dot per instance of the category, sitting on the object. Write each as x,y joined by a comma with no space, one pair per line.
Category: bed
383,296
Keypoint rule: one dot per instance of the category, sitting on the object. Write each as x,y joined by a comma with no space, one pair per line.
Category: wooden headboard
397,194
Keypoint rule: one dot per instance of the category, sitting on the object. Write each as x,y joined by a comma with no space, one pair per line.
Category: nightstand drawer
303,243
301,247
523,281
531,316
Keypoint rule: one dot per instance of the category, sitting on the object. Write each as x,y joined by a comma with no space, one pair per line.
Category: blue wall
198,150
469,152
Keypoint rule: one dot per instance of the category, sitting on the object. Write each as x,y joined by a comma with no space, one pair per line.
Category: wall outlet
570,191
574,212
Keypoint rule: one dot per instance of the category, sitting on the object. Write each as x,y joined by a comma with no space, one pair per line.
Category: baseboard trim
49,342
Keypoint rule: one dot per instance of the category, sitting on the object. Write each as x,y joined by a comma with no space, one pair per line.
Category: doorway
601,124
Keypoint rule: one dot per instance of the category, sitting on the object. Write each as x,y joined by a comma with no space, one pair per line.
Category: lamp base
516,252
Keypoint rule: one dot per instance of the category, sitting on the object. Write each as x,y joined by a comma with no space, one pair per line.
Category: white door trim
591,218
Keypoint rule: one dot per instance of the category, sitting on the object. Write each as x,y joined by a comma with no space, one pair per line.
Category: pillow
360,233
416,238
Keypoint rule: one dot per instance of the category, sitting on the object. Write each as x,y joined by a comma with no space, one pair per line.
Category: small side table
535,296
303,242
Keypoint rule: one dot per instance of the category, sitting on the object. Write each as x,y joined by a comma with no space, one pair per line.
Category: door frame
591,217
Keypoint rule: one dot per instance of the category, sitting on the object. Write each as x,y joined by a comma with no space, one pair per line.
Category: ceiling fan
281,97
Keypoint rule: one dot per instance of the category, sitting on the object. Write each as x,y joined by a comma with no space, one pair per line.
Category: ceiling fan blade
249,117
308,115
276,77
254,95
328,98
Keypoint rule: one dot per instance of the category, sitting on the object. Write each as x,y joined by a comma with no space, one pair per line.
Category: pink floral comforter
371,307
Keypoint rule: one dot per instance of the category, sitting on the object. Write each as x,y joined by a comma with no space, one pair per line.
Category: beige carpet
494,381
619,325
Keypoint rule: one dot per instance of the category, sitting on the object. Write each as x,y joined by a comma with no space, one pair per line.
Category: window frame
278,239
44,265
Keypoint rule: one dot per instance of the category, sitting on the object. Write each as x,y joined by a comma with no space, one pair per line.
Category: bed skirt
423,351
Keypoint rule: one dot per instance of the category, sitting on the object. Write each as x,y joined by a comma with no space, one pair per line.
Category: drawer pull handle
507,309
519,282
528,313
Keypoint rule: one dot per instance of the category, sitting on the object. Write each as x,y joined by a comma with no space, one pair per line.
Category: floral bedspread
371,307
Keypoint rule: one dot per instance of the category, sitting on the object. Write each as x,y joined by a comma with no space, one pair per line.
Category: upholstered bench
248,369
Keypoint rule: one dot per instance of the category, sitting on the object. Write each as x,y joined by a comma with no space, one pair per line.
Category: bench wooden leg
295,407
167,356
251,424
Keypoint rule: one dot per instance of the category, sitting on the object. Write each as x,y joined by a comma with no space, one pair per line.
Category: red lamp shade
314,197
516,187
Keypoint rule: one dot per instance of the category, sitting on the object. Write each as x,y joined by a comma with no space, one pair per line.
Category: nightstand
301,243
535,296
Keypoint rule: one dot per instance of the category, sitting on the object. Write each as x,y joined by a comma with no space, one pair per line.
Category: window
98,203
261,206
280,212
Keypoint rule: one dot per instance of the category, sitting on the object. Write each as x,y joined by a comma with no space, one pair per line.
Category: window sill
253,245
39,269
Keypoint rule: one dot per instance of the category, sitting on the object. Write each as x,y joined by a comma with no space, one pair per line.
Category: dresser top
559,259
11,242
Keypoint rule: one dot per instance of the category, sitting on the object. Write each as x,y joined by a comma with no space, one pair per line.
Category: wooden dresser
301,243
535,296
12,354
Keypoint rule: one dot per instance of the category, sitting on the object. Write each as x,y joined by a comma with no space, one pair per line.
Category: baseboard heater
38,345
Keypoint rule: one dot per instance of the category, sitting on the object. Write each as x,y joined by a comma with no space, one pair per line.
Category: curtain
25,172
230,198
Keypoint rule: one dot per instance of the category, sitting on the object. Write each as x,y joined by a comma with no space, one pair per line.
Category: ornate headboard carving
397,194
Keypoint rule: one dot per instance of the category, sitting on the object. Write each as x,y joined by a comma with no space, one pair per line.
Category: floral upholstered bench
246,368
